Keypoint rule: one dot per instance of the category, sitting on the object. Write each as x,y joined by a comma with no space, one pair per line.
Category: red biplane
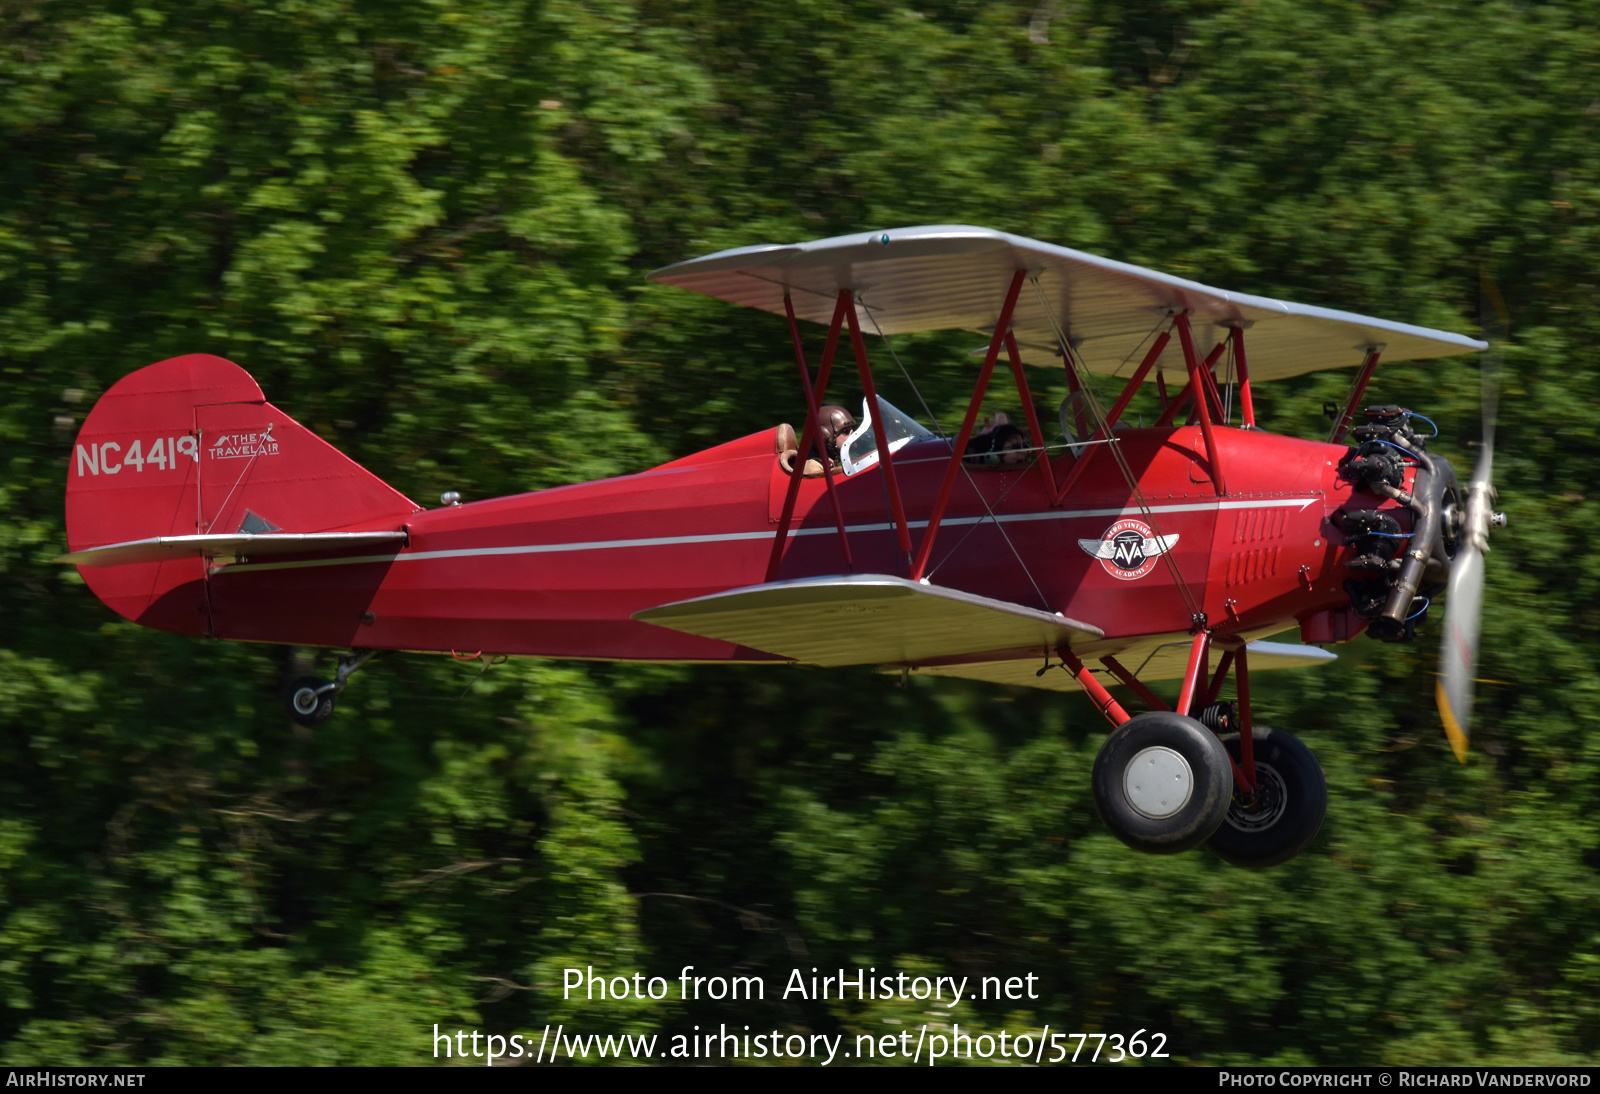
1114,556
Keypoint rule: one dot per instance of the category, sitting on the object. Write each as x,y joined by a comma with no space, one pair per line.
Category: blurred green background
424,226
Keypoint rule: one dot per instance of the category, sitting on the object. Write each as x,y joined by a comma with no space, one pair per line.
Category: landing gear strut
311,698
1166,782
1279,818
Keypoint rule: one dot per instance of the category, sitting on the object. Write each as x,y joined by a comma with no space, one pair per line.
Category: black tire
1137,813
1286,813
308,704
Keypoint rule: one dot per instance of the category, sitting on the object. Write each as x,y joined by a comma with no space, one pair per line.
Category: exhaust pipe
1433,499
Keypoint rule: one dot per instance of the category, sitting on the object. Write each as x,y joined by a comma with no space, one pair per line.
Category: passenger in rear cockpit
999,444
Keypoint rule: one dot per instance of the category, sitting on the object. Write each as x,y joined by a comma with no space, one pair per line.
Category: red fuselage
560,572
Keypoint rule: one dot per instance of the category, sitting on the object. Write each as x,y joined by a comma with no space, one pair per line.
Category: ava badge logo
1128,549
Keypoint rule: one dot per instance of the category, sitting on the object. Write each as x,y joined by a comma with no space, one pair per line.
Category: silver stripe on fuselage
734,537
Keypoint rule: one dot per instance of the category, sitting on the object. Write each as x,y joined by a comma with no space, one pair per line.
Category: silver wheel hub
1158,782
305,700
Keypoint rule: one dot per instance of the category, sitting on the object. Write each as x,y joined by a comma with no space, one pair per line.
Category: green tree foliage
423,228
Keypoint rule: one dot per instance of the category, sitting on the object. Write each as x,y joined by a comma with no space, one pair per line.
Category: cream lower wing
1166,661
867,619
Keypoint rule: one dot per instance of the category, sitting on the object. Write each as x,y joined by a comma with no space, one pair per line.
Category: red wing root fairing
1109,558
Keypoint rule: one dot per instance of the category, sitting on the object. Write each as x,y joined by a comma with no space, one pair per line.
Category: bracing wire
1227,396
1131,353
1002,530
266,438
926,409
1073,362
948,555
938,429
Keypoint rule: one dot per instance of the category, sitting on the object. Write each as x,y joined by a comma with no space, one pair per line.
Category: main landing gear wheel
1283,816
310,700
1162,783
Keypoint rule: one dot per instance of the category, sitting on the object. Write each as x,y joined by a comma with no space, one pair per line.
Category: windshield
860,449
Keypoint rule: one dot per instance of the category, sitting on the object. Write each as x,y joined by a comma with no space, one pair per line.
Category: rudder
189,446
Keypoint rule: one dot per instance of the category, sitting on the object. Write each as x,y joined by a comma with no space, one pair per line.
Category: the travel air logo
242,446
1129,548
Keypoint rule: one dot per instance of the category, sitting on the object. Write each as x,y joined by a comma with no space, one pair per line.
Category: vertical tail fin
190,446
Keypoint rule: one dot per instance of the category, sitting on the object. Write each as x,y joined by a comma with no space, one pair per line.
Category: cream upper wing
955,277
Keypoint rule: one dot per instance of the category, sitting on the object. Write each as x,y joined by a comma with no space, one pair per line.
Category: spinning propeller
1463,616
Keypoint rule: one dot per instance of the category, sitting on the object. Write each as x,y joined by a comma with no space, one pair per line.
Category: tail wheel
1283,816
1161,783
310,700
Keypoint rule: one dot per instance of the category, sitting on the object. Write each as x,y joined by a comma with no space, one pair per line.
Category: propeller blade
1458,647
1463,614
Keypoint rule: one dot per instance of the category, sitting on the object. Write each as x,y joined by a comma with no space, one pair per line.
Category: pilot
834,424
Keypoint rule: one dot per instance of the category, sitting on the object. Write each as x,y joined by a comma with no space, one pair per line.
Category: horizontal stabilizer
238,545
1166,662
866,619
